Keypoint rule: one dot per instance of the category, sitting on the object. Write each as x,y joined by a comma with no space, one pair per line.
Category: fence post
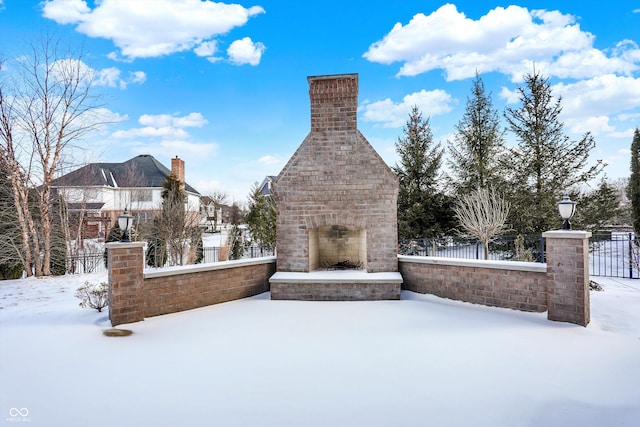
630,258
477,254
568,276
126,269
542,254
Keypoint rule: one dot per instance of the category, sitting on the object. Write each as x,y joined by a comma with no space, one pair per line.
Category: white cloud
163,126
245,51
190,150
151,132
393,115
269,160
603,95
168,120
206,48
507,40
66,11
151,28
108,77
596,125
190,120
138,77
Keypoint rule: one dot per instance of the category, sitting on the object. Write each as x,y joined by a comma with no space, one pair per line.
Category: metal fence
86,263
612,255
213,254
511,248
95,262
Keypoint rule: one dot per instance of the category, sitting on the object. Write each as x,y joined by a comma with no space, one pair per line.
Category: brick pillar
568,276
126,264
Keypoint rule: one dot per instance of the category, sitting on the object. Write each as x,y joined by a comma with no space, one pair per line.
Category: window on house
141,195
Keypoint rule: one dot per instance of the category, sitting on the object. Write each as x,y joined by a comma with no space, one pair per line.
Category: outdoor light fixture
125,221
567,208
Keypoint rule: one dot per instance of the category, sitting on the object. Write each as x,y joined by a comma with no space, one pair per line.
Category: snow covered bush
93,295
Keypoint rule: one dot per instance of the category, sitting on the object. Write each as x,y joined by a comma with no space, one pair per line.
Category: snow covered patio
419,361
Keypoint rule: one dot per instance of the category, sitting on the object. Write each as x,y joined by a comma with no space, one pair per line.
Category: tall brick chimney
334,102
177,168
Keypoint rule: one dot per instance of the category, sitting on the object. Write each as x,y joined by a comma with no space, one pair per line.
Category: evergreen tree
423,211
115,234
199,249
545,162
597,208
261,218
235,238
11,260
633,189
478,144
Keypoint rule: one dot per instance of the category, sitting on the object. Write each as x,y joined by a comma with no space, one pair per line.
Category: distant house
213,216
266,185
99,192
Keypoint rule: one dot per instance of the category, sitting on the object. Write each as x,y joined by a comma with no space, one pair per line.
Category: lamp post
567,208
125,221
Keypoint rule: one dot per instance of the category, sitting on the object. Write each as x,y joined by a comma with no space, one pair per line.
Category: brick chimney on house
334,102
177,169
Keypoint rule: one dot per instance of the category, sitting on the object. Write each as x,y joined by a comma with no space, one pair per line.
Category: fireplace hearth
336,204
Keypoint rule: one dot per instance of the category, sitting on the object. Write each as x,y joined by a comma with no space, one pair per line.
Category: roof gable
141,171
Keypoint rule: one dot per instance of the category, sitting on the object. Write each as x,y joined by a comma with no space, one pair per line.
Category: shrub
10,271
93,295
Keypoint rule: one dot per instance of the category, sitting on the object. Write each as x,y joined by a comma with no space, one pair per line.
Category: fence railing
512,248
95,262
86,263
612,255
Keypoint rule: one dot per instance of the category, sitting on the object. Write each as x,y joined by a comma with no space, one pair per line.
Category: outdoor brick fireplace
336,207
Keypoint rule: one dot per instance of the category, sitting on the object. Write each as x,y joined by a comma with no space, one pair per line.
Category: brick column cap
566,234
125,245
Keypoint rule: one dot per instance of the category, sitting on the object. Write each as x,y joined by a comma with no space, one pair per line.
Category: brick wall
517,285
196,286
560,287
134,294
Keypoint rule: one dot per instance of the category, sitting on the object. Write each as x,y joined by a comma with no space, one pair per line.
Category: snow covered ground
415,362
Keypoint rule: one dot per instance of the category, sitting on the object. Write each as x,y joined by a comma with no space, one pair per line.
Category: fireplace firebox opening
337,247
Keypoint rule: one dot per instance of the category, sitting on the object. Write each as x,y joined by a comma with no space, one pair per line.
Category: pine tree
633,189
597,208
545,162
423,211
261,218
478,144
115,234
235,238
11,260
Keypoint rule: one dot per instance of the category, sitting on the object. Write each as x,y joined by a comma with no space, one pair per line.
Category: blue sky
224,86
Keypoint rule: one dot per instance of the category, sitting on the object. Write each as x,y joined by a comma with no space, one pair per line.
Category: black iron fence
512,248
611,254
216,254
86,263
95,262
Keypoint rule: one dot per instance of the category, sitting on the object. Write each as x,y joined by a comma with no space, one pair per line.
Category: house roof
141,171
